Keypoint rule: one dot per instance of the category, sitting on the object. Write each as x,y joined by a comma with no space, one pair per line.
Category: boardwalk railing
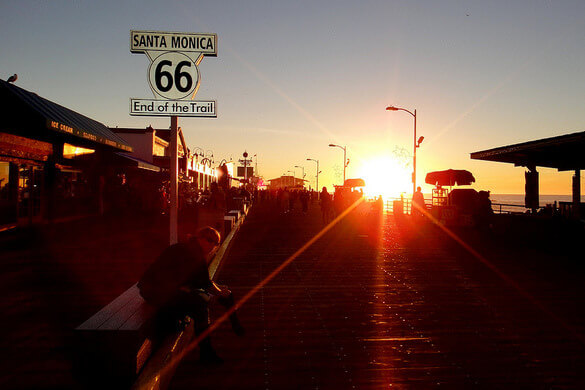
499,208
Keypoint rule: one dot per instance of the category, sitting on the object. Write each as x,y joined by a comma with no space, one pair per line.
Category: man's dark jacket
178,265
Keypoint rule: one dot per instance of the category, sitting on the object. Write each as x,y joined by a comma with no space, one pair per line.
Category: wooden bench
235,213
118,339
118,346
229,221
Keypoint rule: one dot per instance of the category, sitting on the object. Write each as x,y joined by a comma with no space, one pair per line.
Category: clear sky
291,77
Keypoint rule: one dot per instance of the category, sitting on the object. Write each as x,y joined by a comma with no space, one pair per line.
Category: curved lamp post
303,168
317,175
206,160
344,158
415,146
209,155
293,175
199,151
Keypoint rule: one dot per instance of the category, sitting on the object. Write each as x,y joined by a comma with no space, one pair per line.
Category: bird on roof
12,78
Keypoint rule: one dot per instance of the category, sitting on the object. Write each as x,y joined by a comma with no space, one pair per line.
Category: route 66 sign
174,58
174,75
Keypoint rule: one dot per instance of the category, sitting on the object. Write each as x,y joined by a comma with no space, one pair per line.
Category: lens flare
386,176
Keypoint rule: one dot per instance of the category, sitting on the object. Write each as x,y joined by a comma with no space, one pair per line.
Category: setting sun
385,176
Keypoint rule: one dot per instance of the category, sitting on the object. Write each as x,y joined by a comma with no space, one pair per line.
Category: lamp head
391,108
420,140
332,145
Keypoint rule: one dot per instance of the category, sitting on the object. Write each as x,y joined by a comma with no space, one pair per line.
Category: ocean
515,202
507,203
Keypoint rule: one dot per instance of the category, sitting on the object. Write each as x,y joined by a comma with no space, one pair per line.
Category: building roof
139,163
565,152
29,115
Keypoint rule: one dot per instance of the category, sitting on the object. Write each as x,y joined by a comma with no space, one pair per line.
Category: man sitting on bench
178,284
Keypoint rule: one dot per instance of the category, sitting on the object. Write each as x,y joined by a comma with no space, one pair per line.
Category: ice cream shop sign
173,74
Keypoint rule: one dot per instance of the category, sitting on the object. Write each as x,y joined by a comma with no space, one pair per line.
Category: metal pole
577,194
344,164
174,177
414,158
318,176
245,171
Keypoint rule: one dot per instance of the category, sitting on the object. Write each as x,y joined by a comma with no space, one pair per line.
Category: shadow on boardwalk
370,304
374,305
55,277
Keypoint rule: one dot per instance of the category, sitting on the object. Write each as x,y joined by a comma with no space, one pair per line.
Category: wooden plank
102,316
143,313
133,304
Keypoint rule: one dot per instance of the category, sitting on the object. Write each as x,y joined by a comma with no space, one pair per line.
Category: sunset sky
292,77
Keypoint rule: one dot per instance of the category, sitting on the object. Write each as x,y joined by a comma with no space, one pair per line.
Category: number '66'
164,79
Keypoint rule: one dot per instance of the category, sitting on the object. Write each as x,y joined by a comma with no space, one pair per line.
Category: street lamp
415,142
345,161
256,168
209,153
317,175
200,153
303,168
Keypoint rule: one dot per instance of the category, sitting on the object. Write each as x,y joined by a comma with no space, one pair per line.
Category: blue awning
26,113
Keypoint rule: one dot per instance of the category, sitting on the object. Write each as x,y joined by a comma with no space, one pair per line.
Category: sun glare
385,176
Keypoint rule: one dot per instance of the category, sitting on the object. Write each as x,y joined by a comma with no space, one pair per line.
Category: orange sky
480,75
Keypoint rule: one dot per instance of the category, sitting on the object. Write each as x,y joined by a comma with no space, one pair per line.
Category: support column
577,194
50,182
531,200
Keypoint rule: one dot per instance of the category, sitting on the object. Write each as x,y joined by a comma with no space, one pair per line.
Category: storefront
54,162
564,153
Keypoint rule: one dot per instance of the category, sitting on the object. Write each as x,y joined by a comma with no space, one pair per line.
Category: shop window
7,194
4,180
30,179
71,151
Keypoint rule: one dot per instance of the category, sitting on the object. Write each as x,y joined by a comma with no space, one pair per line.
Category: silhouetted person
338,202
418,203
291,200
483,212
178,285
304,196
326,205
217,199
379,204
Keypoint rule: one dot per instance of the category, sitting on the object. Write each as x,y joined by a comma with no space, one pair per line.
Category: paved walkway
376,304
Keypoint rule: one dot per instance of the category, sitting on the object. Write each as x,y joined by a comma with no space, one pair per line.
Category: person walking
326,205
418,203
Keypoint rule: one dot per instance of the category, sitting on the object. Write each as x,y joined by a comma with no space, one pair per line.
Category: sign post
174,79
174,181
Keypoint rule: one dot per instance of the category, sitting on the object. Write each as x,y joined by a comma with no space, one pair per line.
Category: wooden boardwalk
374,304
381,305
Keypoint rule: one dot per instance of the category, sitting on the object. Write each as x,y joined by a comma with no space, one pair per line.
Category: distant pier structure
565,153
